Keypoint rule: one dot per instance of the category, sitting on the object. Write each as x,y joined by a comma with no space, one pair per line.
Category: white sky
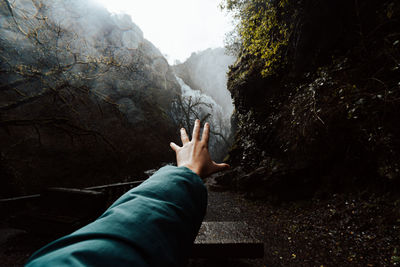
176,27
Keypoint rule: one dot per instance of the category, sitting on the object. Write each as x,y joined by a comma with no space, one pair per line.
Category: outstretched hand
194,154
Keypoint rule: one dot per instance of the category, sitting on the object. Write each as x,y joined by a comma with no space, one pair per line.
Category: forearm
160,217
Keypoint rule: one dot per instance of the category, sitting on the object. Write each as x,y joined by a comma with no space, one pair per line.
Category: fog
196,104
207,71
84,44
80,47
176,27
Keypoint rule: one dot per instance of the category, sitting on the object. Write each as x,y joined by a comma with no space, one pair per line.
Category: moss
264,28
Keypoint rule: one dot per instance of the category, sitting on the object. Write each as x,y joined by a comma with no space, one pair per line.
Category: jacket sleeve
153,224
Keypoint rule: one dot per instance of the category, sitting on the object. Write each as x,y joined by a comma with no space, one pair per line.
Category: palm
194,154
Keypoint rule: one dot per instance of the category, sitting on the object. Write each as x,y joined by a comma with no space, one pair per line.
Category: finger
206,133
184,136
174,146
196,130
220,167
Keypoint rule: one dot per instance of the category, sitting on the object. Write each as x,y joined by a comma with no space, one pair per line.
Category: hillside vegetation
84,98
316,88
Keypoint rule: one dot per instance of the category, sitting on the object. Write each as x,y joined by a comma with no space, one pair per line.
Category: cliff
84,98
207,71
316,94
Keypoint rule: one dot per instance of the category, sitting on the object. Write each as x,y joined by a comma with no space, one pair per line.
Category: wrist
192,168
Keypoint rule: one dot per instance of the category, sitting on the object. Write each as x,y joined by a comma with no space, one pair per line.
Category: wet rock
228,240
253,179
228,178
225,180
277,184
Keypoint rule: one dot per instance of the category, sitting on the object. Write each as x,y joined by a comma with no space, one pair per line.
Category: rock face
84,98
327,118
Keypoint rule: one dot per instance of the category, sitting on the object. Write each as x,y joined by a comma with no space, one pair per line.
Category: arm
153,224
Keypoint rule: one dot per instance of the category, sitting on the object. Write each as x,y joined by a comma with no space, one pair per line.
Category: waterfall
195,104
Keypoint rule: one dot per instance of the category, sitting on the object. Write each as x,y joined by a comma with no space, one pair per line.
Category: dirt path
228,206
362,230
342,230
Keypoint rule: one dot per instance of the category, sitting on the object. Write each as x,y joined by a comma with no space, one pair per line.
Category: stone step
228,240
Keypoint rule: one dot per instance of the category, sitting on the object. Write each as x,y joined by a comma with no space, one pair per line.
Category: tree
264,28
186,109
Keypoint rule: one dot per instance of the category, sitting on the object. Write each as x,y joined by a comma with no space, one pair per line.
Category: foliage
72,84
264,27
233,43
53,55
331,116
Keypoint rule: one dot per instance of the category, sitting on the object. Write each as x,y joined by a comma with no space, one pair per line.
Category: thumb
174,146
220,167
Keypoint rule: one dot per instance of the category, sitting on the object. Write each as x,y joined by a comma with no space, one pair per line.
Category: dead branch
25,100
60,123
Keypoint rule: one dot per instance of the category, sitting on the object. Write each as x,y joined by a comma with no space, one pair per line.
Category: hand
194,154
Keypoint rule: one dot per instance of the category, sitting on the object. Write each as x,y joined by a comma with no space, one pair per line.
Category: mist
203,80
177,27
207,71
87,99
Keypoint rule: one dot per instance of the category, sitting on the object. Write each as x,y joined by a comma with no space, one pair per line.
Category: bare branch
24,101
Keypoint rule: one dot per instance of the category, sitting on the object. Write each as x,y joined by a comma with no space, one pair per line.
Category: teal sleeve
153,224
